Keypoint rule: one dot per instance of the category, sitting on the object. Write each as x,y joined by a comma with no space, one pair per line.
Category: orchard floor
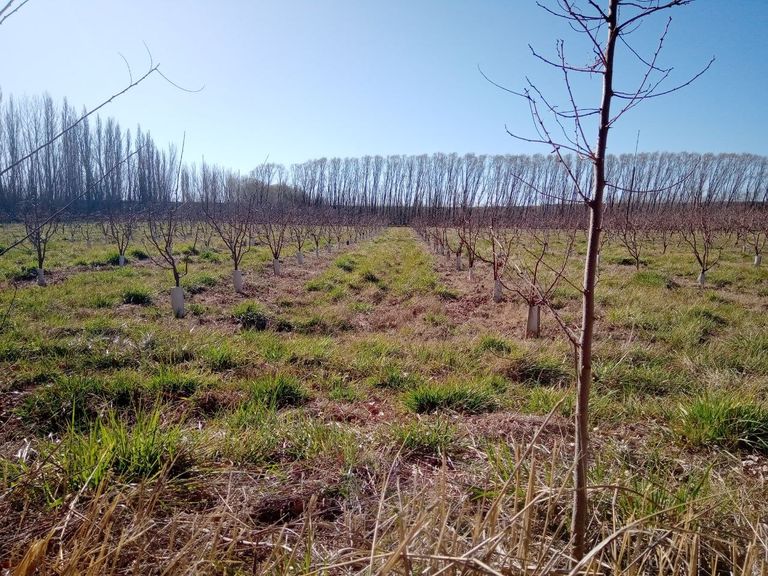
389,418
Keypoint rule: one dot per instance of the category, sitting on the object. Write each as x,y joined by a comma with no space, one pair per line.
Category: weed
446,293
346,263
111,447
466,398
139,254
138,296
278,391
251,315
541,371
430,437
199,283
170,382
72,401
221,356
494,344
723,419
395,379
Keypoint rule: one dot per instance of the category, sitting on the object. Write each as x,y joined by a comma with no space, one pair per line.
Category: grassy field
374,411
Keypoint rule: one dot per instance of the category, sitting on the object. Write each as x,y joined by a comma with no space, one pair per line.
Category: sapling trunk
497,294
237,280
533,326
702,279
276,266
177,301
458,261
300,258
758,260
121,259
41,277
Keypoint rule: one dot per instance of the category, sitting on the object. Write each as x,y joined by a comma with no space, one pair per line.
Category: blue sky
301,79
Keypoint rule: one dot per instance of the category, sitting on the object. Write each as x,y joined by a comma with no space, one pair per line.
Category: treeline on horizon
97,166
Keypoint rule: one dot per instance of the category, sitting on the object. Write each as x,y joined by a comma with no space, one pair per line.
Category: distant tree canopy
84,169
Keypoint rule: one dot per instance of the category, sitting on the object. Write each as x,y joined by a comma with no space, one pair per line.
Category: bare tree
119,226
40,227
229,206
701,229
564,129
163,227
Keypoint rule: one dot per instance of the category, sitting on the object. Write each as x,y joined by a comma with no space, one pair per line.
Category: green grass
494,344
112,448
278,391
431,437
251,315
393,378
465,398
378,347
723,419
137,296
73,401
221,356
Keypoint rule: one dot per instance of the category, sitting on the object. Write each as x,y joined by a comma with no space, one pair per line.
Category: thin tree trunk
584,348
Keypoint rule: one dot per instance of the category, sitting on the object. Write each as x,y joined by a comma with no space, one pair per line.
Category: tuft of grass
73,401
361,307
370,276
113,259
170,382
251,315
494,344
138,254
445,293
100,301
465,398
428,437
23,274
396,379
278,391
341,391
541,371
199,283
112,448
196,309
209,255
138,296
346,263
647,278
221,356
723,419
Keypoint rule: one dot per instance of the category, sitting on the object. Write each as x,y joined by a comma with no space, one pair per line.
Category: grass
465,398
251,315
723,419
495,344
278,391
431,437
113,450
137,296
375,390
72,401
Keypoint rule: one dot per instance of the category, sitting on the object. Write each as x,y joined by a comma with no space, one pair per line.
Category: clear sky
301,79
